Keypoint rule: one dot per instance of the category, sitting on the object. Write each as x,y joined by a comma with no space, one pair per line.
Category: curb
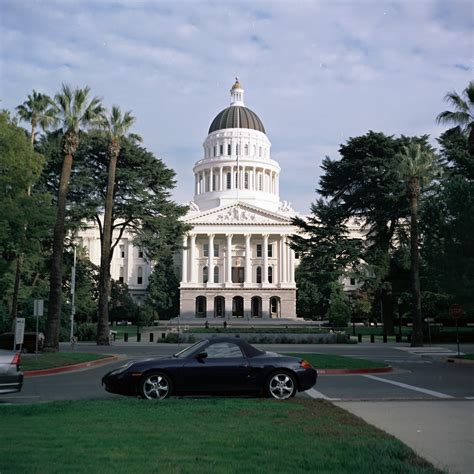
377,370
456,360
70,368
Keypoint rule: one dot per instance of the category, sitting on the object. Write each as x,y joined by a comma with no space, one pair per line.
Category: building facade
236,261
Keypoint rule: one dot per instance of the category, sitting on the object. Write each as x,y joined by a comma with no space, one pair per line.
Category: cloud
316,72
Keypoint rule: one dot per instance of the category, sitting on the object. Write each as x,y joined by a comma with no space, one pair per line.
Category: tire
155,386
281,385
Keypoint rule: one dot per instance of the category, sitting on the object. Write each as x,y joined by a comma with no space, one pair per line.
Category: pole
37,334
457,338
73,294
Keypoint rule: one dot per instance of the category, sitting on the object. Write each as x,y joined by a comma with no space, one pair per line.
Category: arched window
229,149
228,180
246,180
237,149
215,150
270,274
259,274
205,275
219,307
201,307
256,304
216,274
236,179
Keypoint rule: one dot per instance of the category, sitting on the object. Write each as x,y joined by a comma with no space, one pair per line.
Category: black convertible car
213,366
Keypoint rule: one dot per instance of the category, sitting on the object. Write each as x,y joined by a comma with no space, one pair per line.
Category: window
260,182
219,307
223,350
246,180
140,253
236,179
236,149
121,275
259,250
259,274
297,255
216,250
201,307
228,180
353,281
229,150
206,250
270,250
205,275
221,149
122,251
237,274
214,182
216,274
246,149
260,152
270,275
140,276
215,150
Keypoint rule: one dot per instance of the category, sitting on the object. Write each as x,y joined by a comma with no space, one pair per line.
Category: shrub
87,331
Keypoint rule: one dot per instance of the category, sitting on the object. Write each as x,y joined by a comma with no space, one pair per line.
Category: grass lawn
468,356
328,361
197,436
47,360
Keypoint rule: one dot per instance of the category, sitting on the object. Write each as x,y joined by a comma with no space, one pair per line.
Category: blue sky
316,72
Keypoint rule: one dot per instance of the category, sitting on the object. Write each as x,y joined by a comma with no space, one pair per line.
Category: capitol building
236,261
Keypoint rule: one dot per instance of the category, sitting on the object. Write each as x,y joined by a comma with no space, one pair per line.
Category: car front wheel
281,385
155,386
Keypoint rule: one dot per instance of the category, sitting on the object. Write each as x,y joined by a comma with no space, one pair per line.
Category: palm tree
116,129
38,110
463,116
76,111
417,167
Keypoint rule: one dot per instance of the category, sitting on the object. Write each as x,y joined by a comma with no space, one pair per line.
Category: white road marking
469,398
315,394
409,387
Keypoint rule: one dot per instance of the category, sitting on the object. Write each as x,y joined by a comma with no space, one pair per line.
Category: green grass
197,436
47,360
131,330
328,361
259,330
468,356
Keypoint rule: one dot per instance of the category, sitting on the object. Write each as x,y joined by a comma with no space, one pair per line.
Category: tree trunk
51,342
417,335
105,258
387,309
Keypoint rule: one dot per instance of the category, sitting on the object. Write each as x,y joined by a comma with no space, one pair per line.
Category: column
184,277
192,257
210,265
228,269
248,267
196,184
211,180
220,178
284,259
292,266
265,258
280,260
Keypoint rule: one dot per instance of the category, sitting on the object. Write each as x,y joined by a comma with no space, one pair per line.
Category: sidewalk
440,431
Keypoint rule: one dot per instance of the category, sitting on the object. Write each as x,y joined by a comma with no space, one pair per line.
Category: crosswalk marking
409,387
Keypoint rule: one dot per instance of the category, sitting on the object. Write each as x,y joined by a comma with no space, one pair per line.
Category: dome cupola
237,115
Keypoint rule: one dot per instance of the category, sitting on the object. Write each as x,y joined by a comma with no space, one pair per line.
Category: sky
316,72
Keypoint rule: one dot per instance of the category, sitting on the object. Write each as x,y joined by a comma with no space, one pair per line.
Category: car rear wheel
281,385
155,386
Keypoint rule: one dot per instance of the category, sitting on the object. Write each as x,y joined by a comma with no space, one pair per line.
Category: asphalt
425,401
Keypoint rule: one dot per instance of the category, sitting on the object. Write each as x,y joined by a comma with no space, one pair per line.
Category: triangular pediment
235,214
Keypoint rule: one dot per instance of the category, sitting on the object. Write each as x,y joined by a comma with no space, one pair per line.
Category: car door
225,369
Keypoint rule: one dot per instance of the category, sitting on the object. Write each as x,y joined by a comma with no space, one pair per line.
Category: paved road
425,402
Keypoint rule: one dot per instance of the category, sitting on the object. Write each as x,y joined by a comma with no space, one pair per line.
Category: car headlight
122,368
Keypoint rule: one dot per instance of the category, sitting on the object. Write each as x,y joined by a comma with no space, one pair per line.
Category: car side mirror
201,355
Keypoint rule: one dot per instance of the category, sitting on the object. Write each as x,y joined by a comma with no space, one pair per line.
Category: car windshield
185,352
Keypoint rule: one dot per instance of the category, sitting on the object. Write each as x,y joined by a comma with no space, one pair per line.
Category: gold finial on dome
237,84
